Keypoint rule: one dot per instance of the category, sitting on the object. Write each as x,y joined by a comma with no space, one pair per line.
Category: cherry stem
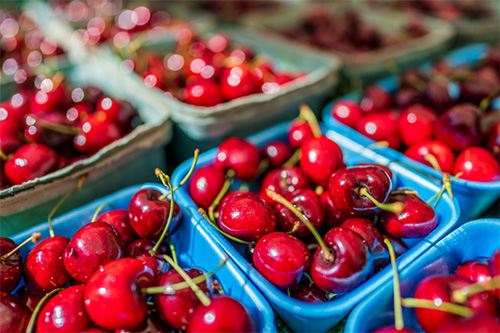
98,211
444,306
185,179
38,308
319,190
61,201
461,295
433,161
293,160
64,129
170,215
227,183
3,156
378,144
398,310
307,114
446,186
404,192
194,287
263,165
57,79
395,207
278,198
204,214
35,237
485,102
296,226
172,249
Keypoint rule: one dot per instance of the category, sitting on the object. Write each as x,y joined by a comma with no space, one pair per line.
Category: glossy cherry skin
176,308
152,324
9,144
284,181
44,268
381,126
65,312
113,298
374,240
494,263
347,112
96,132
202,93
333,216
148,215
484,323
418,219
93,246
376,99
236,82
29,162
307,202
140,249
442,153
352,262
493,139
35,131
319,158
345,184
121,112
416,123
215,318
398,245
299,132
306,291
15,315
277,152
440,289
247,217
120,220
281,258
477,164
459,127
239,155
474,270
11,268
29,298
205,184
437,97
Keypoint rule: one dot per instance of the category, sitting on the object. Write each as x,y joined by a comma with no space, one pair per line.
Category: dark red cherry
96,132
437,97
247,217
284,181
478,323
93,246
44,268
352,262
119,218
140,249
121,112
205,185
442,153
35,131
406,97
459,127
10,121
281,258
9,144
11,267
306,291
333,216
493,139
202,93
418,219
483,85
376,99
381,126
215,318
319,158
299,132
474,270
477,164
29,162
494,263
347,112
277,152
30,298
113,296
65,312
77,113
15,315
152,324
416,123
236,82
239,155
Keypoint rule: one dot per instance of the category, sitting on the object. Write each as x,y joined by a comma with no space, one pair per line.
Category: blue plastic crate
193,245
475,239
474,197
307,317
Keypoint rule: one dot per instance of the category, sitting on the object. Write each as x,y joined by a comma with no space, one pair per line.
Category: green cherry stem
214,224
188,175
38,308
395,207
407,192
170,215
35,237
446,186
98,211
172,249
3,156
444,306
222,193
398,310
433,161
293,160
461,295
307,114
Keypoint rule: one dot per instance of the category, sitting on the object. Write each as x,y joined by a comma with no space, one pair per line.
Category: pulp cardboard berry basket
306,317
474,239
192,242
474,197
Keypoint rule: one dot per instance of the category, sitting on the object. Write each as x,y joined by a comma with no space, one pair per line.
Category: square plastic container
474,239
306,317
193,245
474,197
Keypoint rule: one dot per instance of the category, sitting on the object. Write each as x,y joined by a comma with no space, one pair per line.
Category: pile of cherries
349,33
53,125
117,273
207,72
454,134
291,206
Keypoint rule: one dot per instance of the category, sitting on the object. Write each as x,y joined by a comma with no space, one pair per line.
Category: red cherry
202,93
442,153
477,164
121,112
97,132
283,181
205,185
437,97
493,139
319,158
30,298
333,216
495,263
478,323
11,268
347,112
307,291
277,152
299,132
416,123
239,155
376,99
236,82
474,270
119,218
381,126
15,315
9,144
35,131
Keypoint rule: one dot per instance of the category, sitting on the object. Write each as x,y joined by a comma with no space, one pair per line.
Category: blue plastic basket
308,317
193,245
478,238
474,197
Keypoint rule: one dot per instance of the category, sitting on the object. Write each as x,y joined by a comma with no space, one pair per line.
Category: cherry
119,218
494,263
152,324
29,162
333,216
284,181
397,244
308,203
418,219
9,144
484,85
29,298
77,113
376,99
492,139
36,132
347,112
65,312
372,237
459,127
10,123
236,82
240,156
202,93
121,112
351,265
477,164
415,124
11,266
299,132
478,323
319,158
93,246
206,184
437,97
439,150
381,126
281,258
247,217
406,97
306,291
96,132
277,152
214,317
474,270
113,296
15,315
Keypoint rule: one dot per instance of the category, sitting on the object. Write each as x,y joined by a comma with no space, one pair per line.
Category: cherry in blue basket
239,155
477,164
347,112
